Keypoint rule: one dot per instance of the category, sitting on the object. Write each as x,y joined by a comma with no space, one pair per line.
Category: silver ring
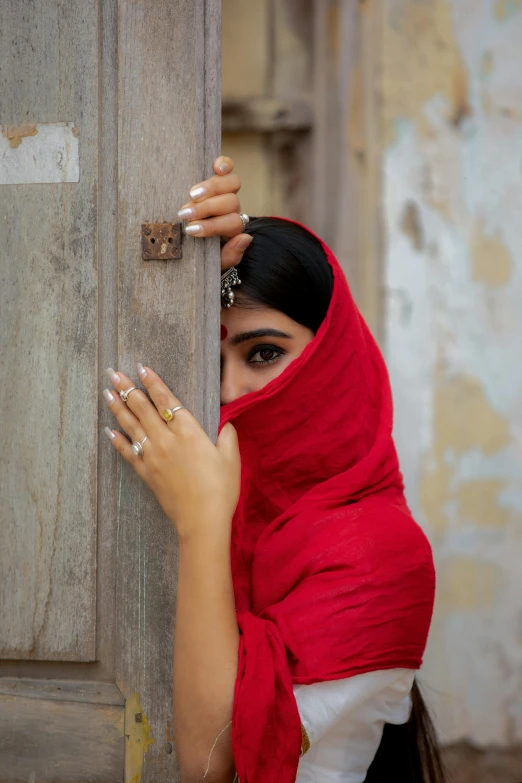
137,446
125,393
244,219
168,413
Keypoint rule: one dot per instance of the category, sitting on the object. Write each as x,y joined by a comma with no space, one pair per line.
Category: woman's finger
138,404
163,399
221,226
124,448
223,165
125,417
211,207
215,186
232,251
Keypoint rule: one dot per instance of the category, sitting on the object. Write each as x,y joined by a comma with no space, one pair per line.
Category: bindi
224,332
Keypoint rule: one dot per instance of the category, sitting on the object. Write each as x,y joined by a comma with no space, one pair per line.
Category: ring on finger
124,393
244,219
137,447
168,413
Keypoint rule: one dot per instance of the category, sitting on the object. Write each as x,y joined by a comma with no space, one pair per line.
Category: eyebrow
242,337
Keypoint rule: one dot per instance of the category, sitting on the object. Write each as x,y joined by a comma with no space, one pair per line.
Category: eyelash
260,348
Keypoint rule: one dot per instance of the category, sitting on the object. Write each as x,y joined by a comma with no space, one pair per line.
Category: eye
264,354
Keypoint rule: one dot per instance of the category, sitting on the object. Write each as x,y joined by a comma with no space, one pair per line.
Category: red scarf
332,576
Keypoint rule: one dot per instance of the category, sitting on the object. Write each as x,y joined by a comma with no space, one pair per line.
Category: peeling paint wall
452,209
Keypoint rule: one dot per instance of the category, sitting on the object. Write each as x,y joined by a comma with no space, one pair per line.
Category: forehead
239,319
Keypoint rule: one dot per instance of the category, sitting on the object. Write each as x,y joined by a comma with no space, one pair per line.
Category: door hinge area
161,241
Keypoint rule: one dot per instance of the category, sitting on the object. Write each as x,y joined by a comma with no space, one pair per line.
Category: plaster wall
452,212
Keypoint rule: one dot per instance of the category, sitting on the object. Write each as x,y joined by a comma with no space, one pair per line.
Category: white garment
344,720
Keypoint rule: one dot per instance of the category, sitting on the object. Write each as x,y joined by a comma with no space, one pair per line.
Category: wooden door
109,111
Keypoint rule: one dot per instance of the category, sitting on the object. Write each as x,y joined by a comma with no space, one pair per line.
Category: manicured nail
112,376
223,168
110,434
141,370
197,192
108,396
194,229
186,213
244,243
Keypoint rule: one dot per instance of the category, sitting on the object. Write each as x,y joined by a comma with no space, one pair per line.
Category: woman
305,587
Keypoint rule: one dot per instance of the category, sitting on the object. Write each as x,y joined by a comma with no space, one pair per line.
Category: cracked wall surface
452,210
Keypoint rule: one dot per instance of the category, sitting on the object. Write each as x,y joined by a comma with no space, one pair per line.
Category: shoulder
376,539
378,531
380,542
382,527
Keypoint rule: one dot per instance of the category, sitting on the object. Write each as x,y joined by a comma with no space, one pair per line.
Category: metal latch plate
161,241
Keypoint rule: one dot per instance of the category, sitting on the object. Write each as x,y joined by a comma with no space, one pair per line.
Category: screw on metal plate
161,241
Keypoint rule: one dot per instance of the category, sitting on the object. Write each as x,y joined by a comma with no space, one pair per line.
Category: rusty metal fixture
161,241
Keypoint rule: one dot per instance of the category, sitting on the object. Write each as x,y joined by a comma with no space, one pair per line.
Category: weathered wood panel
60,732
49,341
62,690
158,134
168,318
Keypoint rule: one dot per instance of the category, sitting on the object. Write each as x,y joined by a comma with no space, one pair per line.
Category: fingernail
108,396
110,434
195,228
223,168
112,376
244,243
186,213
141,370
197,192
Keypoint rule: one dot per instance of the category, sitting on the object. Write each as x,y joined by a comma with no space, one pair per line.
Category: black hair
409,752
286,268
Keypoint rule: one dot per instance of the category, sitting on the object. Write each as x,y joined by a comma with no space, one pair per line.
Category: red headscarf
332,576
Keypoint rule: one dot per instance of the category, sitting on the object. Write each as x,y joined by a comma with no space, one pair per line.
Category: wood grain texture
159,123
62,690
54,732
107,571
48,343
168,318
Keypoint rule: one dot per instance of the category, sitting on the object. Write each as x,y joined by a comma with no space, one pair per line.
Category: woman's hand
196,483
214,211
